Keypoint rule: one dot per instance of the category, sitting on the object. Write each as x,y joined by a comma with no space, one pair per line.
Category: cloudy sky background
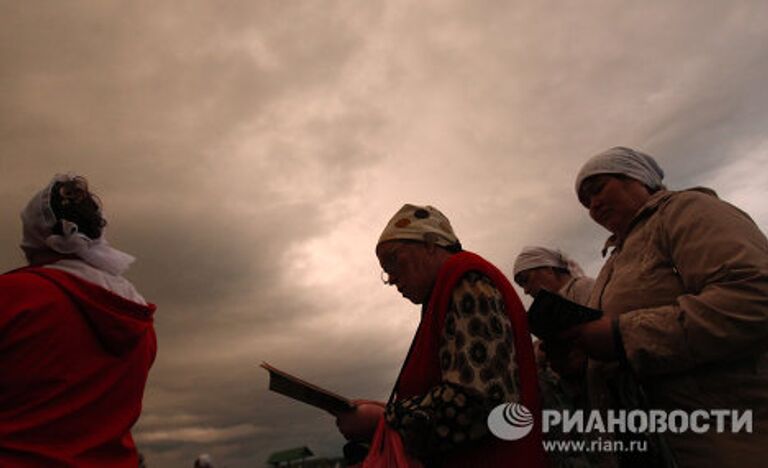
249,153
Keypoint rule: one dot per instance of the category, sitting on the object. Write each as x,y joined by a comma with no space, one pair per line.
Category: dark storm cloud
143,98
152,89
248,153
149,101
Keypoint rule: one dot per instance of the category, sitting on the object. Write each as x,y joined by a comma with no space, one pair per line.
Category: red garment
422,371
74,358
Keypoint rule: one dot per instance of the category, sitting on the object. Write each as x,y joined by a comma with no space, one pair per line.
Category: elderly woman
685,301
76,339
470,353
539,267
561,374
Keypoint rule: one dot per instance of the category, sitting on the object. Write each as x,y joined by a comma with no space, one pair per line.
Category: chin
608,227
412,299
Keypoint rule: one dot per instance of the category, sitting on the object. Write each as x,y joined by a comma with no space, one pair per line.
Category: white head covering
626,161
420,223
38,221
536,257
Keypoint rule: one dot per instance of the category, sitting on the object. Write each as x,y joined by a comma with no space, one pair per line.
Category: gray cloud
248,153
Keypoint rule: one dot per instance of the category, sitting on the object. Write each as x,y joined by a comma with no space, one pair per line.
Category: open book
293,387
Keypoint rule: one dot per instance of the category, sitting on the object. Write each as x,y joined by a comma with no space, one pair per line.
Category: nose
595,204
529,290
392,281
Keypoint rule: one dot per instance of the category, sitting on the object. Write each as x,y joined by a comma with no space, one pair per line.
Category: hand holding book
554,318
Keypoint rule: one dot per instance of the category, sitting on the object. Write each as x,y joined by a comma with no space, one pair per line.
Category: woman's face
409,267
532,281
613,201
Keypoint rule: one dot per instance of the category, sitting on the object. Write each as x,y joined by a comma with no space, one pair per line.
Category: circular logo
510,421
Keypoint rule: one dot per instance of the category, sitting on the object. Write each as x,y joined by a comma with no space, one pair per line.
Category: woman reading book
684,294
471,351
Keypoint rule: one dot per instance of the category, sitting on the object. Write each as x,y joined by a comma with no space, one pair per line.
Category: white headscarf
38,220
626,161
536,257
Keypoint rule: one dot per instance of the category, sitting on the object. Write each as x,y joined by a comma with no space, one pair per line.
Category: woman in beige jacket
684,294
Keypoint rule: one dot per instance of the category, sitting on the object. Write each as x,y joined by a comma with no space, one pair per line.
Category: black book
551,314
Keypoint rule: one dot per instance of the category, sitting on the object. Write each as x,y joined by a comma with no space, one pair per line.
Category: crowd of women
683,294
684,301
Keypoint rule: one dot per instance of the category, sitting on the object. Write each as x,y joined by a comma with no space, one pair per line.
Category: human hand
564,358
359,424
595,338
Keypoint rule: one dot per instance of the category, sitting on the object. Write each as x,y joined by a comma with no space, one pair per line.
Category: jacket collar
650,207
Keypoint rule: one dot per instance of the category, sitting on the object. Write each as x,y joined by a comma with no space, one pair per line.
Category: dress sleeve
722,260
478,373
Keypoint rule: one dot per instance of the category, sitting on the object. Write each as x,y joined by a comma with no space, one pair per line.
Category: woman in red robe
471,353
76,339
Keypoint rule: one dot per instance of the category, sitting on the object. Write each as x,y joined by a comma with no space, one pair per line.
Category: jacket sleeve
721,258
478,373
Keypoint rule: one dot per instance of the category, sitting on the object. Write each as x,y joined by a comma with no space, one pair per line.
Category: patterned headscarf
626,161
420,223
536,257
38,221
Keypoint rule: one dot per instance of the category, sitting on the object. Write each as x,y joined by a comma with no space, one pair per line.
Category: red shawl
74,359
422,371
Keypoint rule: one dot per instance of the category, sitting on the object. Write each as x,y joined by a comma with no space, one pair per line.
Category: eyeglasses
390,263
386,278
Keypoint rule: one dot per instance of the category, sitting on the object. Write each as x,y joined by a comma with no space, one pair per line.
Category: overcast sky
249,153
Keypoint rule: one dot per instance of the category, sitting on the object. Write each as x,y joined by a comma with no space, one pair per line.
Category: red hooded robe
74,358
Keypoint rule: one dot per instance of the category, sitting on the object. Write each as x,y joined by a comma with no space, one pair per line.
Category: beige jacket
689,286
577,289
